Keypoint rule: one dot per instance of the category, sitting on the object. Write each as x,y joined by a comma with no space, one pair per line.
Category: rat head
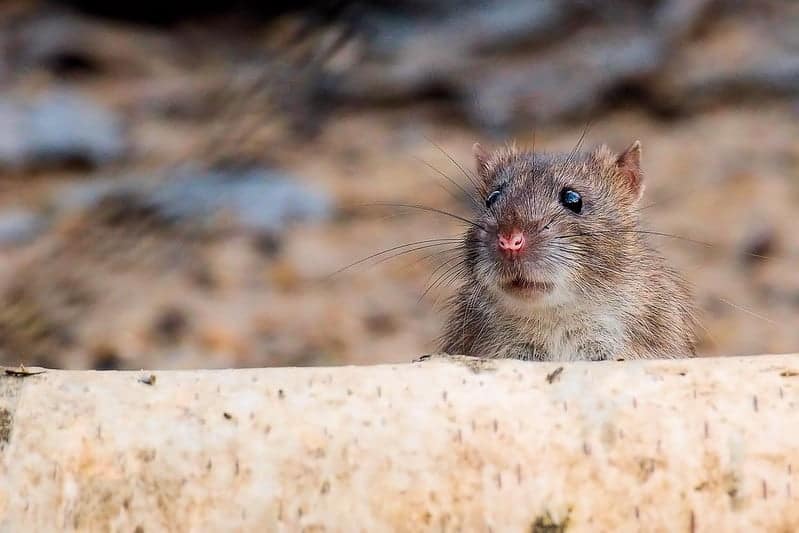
555,227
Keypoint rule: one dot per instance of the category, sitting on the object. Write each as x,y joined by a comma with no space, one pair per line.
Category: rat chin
520,294
521,287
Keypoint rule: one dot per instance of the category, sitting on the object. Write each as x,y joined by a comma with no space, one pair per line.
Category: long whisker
460,260
456,249
416,249
748,311
453,269
471,177
430,209
645,232
456,274
712,337
469,195
579,143
413,245
440,252
659,234
665,200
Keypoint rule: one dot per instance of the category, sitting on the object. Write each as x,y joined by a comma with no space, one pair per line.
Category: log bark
440,445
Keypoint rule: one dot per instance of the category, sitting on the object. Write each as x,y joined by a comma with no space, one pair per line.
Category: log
439,445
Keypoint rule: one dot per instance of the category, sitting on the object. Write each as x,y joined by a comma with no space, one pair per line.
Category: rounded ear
481,156
629,166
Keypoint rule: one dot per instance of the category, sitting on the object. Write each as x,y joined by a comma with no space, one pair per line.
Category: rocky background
180,188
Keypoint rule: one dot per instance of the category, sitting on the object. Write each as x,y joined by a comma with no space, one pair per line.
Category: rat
558,267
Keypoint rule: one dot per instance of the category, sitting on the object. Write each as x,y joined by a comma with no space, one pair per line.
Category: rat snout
516,239
511,242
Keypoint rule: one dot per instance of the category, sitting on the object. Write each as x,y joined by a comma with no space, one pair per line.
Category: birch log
463,445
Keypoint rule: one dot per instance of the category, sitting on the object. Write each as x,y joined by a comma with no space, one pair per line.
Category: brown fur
614,296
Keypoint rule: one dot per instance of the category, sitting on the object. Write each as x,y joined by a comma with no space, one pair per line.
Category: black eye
571,200
493,197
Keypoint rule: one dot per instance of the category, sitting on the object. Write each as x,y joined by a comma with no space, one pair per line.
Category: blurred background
177,184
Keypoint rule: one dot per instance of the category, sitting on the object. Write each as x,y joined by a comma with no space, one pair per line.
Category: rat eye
492,198
571,200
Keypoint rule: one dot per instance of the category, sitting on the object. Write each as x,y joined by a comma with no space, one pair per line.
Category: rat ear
629,165
481,157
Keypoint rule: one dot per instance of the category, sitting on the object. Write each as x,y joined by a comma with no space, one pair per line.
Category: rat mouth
525,287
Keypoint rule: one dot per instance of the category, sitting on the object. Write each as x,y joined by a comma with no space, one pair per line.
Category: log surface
440,445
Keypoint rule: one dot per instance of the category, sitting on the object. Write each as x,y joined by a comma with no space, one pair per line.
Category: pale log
439,445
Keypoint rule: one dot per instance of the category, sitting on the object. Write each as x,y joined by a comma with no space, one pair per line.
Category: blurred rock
84,195
268,245
158,13
513,63
503,64
58,128
105,358
62,43
259,201
572,81
759,245
38,316
170,326
707,83
18,226
381,323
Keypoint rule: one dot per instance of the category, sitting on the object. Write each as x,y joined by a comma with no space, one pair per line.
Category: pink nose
511,242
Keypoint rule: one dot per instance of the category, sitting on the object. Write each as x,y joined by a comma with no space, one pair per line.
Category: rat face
555,227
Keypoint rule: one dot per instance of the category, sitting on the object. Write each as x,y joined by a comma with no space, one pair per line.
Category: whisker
710,335
659,234
579,143
458,274
411,250
457,249
438,269
471,177
644,232
748,311
666,200
430,209
417,245
469,195
454,268
467,311
454,275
